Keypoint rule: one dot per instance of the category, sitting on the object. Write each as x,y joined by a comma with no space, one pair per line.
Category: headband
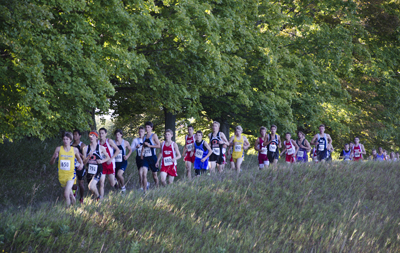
94,133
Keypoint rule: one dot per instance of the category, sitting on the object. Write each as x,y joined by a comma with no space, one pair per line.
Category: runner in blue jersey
322,142
346,152
381,155
304,147
149,155
202,152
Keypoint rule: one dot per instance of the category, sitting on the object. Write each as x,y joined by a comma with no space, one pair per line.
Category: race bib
189,147
264,150
356,154
272,148
290,151
168,161
92,169
216,151
139,150
300,153
199,153
65,165
238,148
321,147
118,158
147,152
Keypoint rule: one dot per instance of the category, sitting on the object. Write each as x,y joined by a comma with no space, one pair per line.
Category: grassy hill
335,207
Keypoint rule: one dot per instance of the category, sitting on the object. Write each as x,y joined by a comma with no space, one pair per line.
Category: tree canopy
295,64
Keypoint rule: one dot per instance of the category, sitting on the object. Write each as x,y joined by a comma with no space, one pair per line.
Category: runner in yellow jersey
66,166
239,143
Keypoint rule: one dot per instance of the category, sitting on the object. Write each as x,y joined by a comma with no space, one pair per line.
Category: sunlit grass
348,207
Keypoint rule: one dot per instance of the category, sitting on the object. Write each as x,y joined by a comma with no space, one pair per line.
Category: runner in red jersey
358,150
187,151
262,150
291,148
109,166
169,155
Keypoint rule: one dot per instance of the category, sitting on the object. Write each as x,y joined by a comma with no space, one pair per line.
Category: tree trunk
225,128
93,125
170,120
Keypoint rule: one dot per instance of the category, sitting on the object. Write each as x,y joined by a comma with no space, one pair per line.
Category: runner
346,153
217,139
273,143
386,155
380,156
79,173
149,156
239,144
290,147
322,141
121,160
373,155
137,145
169,155
202,152
229,153
187,150
109,166
262,151
65,165
358,150
397,156
94,161
304,147
330,151
392,156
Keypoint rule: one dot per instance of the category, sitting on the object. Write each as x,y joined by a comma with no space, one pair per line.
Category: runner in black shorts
80,174
273,143
93,154
121,160
148,155
217,140
137,144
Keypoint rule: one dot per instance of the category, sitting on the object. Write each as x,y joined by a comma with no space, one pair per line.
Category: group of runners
104,156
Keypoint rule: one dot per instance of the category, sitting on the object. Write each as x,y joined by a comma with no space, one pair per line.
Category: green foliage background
295,64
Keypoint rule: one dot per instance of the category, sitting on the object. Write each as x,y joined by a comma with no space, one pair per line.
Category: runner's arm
279,141
159,157
256,143
55,155
133,145
308,146
329,139
295,146
83,146
86,157
246,143
178,153
209,150
363,150
129,148
104,152
115,147
223,137
78,157
314,140
156,141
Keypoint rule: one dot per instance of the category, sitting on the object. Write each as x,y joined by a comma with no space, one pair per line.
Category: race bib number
356,154
189,147
264,150
147,152
92,169
199,153
290,151
238,148
168,161
272,148
216,151
118,158
300,153
65,165
321,147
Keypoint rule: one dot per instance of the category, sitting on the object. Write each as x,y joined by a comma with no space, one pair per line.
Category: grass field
336,207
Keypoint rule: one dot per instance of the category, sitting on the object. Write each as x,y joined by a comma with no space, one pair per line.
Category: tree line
295,64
